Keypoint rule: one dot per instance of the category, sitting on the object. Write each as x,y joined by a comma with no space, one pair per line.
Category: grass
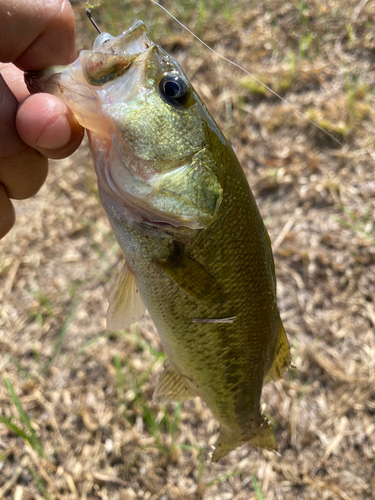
257,490
76,411
30,435
363,226
39,483
58,345
134,402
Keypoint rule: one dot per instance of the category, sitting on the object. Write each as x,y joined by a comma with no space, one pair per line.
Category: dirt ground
76,417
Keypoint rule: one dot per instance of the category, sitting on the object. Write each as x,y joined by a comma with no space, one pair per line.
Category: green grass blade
119,377
222,478
39,484
15,429
90,342
22,371
61,336
33,439
257,489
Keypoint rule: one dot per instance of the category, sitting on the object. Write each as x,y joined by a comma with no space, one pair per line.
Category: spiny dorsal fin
282,358
125,302
191,276
171,387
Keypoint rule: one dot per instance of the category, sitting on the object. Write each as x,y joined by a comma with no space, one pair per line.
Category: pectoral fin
282,358
192,277
125,302
171,387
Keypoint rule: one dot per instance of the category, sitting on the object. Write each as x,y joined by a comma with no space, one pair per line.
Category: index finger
37,33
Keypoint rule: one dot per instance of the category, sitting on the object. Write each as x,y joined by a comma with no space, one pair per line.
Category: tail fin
265,437
228,441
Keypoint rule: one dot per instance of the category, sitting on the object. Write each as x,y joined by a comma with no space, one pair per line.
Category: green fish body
197,254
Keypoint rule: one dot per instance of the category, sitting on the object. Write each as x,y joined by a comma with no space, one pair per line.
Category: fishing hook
88,13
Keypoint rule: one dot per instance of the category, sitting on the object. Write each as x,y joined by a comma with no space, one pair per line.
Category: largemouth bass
197,254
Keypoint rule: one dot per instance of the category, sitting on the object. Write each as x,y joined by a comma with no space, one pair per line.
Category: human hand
34,34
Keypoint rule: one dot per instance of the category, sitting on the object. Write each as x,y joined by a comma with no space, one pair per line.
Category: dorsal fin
125,302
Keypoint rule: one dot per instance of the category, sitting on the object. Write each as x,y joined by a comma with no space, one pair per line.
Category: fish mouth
99,87
110,56
83,85
132,41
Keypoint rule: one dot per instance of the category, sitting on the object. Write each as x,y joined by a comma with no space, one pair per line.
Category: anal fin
282,358
171,387
125,302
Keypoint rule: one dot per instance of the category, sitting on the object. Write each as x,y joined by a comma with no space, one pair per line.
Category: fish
197,253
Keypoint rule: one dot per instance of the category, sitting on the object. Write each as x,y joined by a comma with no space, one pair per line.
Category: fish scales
197,253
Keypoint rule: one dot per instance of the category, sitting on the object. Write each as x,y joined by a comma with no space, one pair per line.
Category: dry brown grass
88,392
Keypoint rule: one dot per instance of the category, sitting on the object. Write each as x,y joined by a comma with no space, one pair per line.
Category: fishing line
248,73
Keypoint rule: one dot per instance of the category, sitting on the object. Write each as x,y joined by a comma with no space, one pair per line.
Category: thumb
46,124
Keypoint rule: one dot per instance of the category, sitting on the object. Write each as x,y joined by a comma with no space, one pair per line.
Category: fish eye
174,89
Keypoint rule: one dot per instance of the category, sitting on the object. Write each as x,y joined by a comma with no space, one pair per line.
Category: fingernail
56,135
